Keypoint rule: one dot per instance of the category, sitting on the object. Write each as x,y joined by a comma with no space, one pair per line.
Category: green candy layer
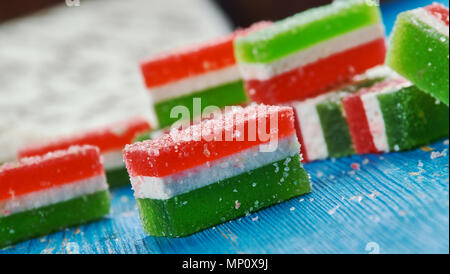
304,30
413,118
47,219
221,96
335,128
142,137
224,200
420,54
117,177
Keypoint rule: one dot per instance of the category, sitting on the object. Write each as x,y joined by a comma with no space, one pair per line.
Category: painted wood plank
397,202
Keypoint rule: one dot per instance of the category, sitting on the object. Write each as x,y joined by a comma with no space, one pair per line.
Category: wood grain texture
398,202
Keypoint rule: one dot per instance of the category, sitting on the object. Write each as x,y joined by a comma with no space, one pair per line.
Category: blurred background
68,65
241,12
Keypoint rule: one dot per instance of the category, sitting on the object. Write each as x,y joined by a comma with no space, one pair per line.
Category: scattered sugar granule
292,209
254,184
235,190
357,198
276,167
206,151
311,199
254,219
416,173
124,199
286,162
301,200
237,205
420,164
374,194
437,154
365,161
375,219
319,174
333,210
446,142
72,248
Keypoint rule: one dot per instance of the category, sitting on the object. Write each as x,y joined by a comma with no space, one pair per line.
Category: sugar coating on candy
305,55
316,78
419,49
225,94
223,200
394,115
108,139
207,141
32,200
321,123
310,130
322,127
435,16
194,60
370,77
303,30
439,11
213,171
365,119
342,44
48,171
206,72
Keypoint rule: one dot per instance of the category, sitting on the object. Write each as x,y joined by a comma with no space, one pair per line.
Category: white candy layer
431,20
310,126
312,54
376,121
195,83
113,160
375,116
53,195
169,186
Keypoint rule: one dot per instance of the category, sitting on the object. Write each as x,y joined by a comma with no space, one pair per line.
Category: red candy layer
51,170
112,137
318,77
357,118
439,11
184,149
358,125
192,61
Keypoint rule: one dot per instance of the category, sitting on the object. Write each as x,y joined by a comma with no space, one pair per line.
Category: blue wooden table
394,203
